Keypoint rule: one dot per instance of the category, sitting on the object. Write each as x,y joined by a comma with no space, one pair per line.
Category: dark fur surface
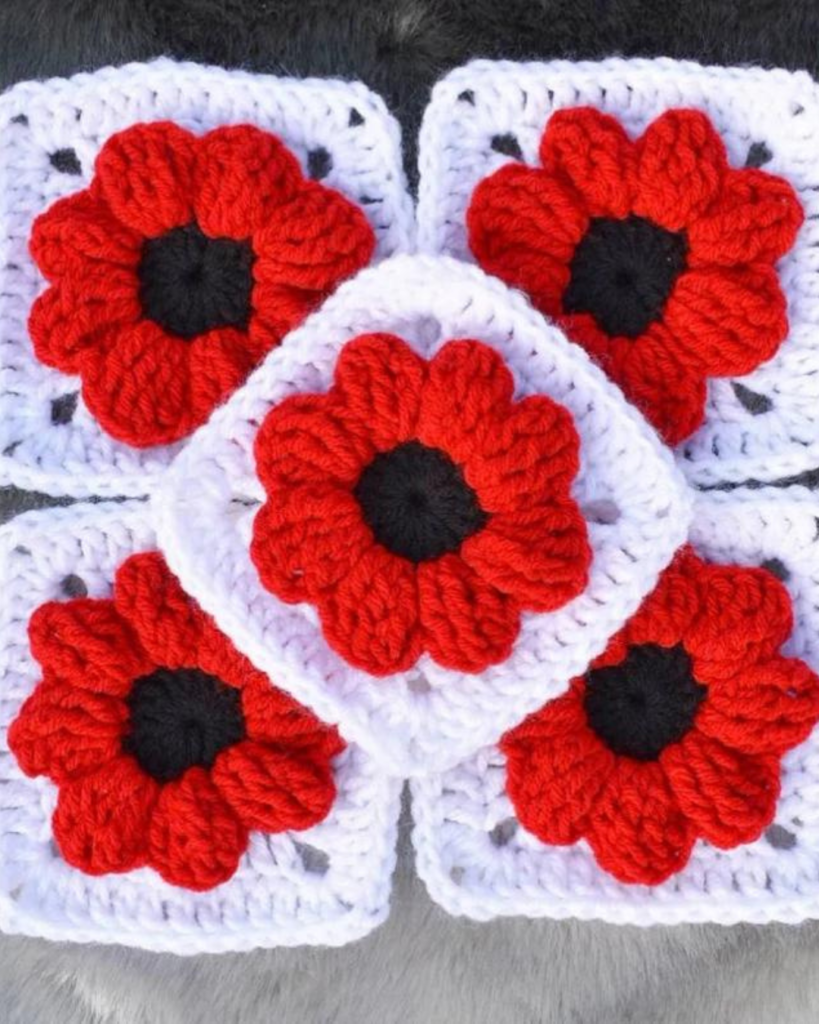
398,47
422,967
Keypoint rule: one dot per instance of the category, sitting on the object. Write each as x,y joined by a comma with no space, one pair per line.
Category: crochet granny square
162,226
724,826
155,789
666,215
423,634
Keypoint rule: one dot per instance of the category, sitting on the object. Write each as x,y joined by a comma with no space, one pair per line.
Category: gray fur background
422,967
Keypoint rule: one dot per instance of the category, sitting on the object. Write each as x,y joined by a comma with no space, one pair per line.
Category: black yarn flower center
417,503
181,718
190,283
645,703
622,273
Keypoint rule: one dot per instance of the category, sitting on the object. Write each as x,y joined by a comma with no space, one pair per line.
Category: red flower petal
151,387
468,390
729,797
168,622
524,226
194,838
171,626
666,614
313,241
540,558
274,791
371,618
306,439
78,230
726,321
526,457
745,618
65,732
755,218
275,718
145,174
767,708
378,380
242,174
680,168
101,820
669,394
277,309
635,828
555,768
86,644
71,318
307,539
467,624
592,151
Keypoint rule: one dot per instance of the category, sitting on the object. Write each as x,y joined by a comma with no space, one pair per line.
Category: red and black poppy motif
676,732
167,746
419,507
184,262
654,255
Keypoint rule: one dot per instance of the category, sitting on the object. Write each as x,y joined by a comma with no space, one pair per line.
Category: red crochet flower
655,255
419,507
166,744
184,262
677,730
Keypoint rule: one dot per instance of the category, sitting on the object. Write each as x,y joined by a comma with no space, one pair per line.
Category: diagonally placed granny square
423,513
162,227
678,778
155,789
665,215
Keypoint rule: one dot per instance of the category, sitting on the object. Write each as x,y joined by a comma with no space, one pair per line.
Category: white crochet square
325,886
478,861
634,500
47,442
762,426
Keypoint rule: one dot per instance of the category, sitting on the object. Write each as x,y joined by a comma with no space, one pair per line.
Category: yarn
172,274
743,305
421,538
180,719
658,809
112,812
645,703
435,541
167,746
144,386
417,503
688,744
190,284
652,254
623,272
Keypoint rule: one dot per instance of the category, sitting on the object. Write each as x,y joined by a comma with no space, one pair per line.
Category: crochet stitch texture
756,858
488,122
420,508
326,884
184,262
405,520
167,746
655,255
346,144
431,709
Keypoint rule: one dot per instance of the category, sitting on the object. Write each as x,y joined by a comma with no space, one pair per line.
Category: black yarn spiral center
645,703
622,273
190,283
181,718
417,503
